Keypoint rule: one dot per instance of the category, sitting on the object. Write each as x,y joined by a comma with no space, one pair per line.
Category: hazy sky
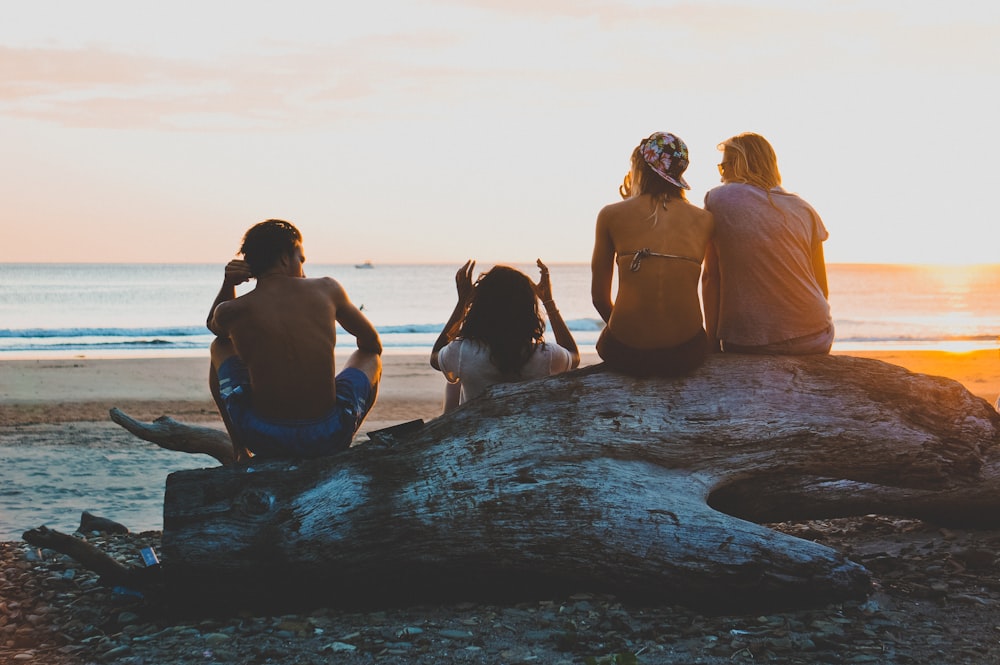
437,130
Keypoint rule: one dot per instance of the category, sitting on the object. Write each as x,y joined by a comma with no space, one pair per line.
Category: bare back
285,332
657,303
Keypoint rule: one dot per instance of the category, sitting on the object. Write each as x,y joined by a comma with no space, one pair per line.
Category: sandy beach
936,598
51,391
83,389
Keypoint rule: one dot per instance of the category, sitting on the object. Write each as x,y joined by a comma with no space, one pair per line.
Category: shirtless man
273,371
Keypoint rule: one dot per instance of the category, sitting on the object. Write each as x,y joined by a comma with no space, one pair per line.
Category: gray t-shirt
768,288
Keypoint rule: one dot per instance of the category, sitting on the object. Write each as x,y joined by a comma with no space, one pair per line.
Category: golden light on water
959,279
961,347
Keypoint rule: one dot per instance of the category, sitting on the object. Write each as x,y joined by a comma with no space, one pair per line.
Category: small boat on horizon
367,265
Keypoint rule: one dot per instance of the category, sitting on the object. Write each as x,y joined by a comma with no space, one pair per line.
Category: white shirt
468,361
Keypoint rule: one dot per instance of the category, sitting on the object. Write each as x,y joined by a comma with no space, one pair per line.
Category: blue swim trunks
295,438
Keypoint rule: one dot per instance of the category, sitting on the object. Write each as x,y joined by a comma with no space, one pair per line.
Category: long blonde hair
750,159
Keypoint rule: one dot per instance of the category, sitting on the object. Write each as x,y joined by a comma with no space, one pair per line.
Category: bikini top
639,255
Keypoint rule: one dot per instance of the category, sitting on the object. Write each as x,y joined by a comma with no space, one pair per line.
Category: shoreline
46,391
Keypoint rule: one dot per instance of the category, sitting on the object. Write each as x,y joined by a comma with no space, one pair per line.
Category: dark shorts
670,361
295,438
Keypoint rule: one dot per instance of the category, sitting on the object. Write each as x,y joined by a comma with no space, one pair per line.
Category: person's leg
371,365
221,351
356,399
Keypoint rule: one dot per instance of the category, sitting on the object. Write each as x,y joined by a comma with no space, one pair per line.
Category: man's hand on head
237,272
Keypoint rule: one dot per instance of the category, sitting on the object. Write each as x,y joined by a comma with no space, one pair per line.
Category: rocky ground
937,601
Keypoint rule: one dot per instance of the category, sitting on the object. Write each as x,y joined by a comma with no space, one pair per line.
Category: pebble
111,654
216,638
46,598
455,634
409,631
125,618
337,647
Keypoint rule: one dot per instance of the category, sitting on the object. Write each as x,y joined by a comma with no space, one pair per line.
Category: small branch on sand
172,435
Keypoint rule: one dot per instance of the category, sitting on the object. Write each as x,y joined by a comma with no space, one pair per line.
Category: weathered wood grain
592,480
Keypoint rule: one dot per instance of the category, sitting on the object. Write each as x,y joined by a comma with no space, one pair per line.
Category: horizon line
937,264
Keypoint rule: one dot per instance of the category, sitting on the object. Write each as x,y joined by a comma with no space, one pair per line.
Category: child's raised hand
544,287
463,281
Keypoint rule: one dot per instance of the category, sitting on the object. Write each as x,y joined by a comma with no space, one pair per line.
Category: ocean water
49,310
51,473
94,310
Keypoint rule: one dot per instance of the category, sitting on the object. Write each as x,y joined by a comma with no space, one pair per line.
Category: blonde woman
657,240
764,286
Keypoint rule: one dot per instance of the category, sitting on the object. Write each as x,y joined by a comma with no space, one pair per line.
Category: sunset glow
434,131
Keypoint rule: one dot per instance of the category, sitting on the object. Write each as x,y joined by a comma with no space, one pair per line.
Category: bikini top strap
637,258
639,255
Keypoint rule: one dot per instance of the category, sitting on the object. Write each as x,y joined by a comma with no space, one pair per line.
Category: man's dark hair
265,243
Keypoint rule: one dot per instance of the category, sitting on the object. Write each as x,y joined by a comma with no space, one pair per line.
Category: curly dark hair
265,243
503,314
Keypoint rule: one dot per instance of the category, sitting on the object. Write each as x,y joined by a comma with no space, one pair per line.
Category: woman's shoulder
619,208
693,214
461,348
549,358
465,343
690,208
621,213
734,189
792,196
734,194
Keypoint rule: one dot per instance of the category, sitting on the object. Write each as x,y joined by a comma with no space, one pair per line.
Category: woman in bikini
494,334
658,240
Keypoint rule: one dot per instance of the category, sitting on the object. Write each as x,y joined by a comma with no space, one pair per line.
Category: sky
417,131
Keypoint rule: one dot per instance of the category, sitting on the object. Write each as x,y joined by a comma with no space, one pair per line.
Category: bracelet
549,302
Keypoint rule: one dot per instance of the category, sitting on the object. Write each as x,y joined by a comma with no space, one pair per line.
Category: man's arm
237,272
354,322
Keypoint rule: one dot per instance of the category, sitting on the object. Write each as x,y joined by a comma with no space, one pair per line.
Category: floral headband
668,156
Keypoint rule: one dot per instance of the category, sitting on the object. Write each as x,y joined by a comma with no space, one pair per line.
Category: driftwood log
650,488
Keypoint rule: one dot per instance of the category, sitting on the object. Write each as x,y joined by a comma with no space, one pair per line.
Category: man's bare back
285,331
273,370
